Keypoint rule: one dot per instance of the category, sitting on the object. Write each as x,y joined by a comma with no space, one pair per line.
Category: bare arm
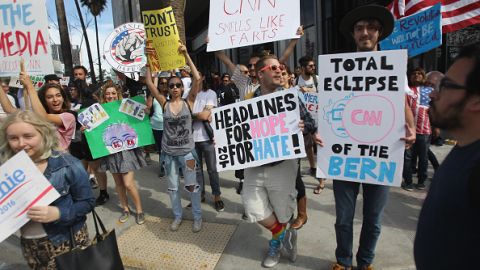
153,89
36,103
225,60
6,104
196,79
291,46
410,135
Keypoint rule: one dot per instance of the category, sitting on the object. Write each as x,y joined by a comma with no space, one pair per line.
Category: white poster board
22,186
24,34
238,23
362,116
258,131
310,101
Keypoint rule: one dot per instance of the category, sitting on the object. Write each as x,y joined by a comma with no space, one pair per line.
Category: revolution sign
124,48
362,116
24,34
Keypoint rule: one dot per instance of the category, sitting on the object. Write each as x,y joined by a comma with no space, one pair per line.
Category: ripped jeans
172,164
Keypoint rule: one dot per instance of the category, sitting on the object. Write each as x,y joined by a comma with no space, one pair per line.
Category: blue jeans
420,147
172,164
207,149
374,200
157,135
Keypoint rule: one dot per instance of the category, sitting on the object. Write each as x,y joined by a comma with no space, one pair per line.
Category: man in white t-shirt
205,101
186,80
308,80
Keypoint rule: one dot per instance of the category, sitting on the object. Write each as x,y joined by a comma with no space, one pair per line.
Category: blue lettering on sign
14,13
270,147
417,33
10,182
360,168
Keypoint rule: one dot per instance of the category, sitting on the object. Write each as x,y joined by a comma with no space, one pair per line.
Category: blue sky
105,26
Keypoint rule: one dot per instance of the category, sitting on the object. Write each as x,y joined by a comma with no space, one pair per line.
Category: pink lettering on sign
268,126
362,117
232,7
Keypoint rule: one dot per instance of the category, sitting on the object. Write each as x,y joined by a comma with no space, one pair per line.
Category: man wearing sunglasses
269,194
367,25
448,232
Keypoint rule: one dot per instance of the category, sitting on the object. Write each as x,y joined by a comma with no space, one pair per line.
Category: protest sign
362,116
310,100
124,48
417,33
92,116
258,131
37,81
24,34
119,132
162,39
241,23
22,186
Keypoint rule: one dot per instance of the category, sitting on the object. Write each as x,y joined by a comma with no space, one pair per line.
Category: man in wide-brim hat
367,25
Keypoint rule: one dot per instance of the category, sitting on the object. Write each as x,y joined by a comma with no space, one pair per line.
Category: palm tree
96,7
89,52
64,37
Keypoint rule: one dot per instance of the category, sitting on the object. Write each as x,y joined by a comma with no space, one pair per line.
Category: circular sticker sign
124,48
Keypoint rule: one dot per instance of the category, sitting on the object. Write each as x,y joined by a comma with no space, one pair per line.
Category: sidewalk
248,245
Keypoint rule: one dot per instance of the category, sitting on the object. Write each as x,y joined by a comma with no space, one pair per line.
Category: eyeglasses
273,67
173,85
446,83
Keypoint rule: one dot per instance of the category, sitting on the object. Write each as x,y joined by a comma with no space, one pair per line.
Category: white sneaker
197,225
273,255
290,244
175,225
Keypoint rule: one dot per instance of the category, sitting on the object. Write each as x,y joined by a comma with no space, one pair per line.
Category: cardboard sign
362,116
119,132
24,34
124,48
258,131
133,108
417,33
162,40
22,186
241,23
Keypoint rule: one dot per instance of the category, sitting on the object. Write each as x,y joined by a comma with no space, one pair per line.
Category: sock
278,231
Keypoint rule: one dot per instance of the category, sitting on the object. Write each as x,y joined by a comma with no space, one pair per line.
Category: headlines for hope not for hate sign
258,131
162,40
362,116
238,23
124,48
24,34
22,186
417,33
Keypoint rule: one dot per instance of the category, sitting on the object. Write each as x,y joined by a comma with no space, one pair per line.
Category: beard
449,120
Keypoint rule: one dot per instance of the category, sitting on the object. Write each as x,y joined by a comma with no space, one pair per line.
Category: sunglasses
163,83
245,72
251,65
273,68
173,85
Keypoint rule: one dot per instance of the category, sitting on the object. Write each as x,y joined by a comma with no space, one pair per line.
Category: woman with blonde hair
122,164
47,234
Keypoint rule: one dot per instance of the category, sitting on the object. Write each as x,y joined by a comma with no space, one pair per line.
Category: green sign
119,132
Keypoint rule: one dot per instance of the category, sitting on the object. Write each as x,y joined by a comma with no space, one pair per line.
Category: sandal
319,188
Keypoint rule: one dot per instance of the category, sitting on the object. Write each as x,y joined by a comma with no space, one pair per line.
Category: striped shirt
418,99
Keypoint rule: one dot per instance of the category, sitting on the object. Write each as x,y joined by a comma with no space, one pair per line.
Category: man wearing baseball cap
367,25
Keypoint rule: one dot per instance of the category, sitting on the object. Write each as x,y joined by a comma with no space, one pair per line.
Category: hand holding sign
24,77
43,214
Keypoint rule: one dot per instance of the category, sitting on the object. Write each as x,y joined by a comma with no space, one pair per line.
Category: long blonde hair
46,129
110,84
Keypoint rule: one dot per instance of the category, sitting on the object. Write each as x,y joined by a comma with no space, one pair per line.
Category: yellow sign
162,40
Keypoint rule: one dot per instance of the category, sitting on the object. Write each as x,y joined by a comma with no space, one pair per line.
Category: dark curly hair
43,91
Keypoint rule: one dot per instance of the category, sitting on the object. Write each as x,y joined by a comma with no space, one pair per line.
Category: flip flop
318,189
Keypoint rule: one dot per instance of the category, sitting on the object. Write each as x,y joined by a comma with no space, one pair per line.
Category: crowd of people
44,124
